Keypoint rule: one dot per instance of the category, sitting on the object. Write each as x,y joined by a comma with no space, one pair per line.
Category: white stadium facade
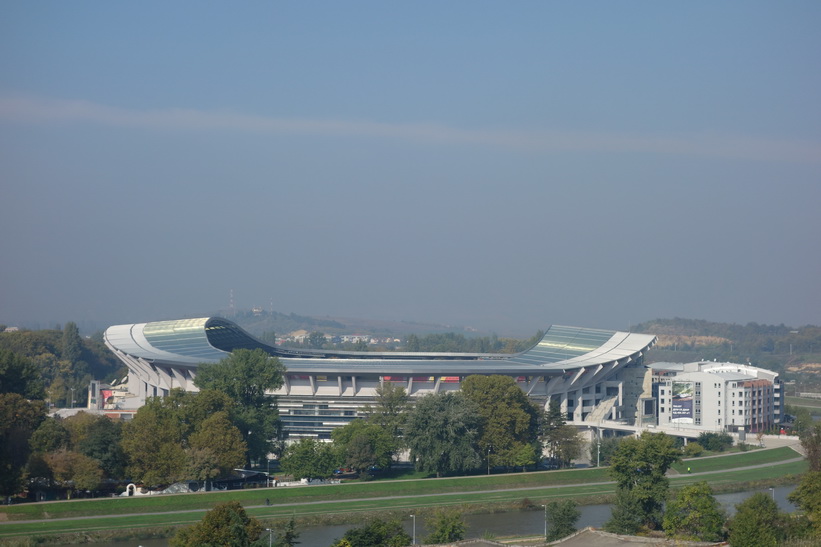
598,377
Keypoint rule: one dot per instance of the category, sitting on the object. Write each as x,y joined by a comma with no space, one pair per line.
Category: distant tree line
768,346
448,342
184,436
64,360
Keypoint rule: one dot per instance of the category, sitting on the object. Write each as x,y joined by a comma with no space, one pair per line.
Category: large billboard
682,408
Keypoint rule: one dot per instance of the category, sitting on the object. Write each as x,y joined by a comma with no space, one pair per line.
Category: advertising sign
682,407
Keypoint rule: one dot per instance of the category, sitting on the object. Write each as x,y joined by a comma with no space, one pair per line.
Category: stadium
596,375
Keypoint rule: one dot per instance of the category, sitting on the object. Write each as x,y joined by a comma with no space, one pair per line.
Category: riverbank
84,520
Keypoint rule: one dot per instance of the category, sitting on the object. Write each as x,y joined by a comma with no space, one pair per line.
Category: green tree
562,442
412,343
102,442
19,375
316,340
216,437
807,496
715,442
695,515
377,533
803,420
811,442
509,419
79,426
74,470
442,431
756,523
286,534
183,436
363,445
269,337
71,348
153,441
562,516
390,408
227,524
446,525
604,449
693,449
51,435
567,444
639,466
245,376
19,418
309,459
626,514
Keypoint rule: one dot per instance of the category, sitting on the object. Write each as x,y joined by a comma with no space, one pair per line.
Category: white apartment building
717,396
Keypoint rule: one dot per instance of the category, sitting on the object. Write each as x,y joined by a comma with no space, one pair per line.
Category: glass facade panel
560,343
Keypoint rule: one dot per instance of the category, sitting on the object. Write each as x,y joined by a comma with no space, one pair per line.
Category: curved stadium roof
188,342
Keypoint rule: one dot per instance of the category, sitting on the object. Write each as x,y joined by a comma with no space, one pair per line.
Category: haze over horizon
493,165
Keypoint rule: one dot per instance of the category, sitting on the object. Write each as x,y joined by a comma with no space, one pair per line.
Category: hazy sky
502,165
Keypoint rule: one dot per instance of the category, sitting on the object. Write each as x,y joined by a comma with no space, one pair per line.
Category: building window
661,391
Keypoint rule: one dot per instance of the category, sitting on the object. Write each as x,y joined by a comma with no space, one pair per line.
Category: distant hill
775,347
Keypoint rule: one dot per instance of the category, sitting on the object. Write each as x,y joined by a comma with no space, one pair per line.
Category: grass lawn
299,494
804,401
152,512
740,459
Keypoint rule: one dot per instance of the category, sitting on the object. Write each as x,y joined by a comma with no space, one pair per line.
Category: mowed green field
804,401
174,510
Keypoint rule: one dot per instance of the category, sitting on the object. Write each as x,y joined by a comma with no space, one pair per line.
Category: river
518,523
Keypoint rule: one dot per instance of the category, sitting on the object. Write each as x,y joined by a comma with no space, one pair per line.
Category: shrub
715,442
693,449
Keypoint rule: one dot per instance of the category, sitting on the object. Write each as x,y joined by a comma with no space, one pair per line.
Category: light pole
270,536
545,522
772,491
414,529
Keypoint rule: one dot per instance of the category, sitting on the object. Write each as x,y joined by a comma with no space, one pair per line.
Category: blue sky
501,165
